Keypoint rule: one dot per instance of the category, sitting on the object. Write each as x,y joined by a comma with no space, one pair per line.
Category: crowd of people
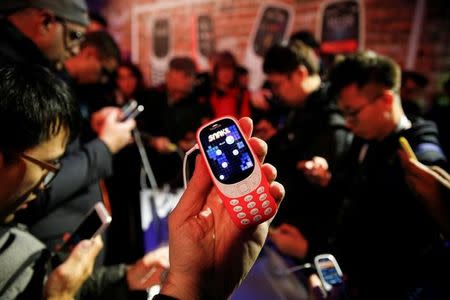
331,131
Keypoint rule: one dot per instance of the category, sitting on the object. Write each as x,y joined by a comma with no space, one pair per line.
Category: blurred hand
289,240
431,184
187,142
265,130
64,282
162,144
259,99
147,271
115,134
315,170
425,181
209,254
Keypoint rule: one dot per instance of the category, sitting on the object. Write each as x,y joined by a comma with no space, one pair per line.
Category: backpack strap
19,250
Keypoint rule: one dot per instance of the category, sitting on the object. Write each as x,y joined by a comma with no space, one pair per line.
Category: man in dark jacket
41,112
314,127
47,33
388,241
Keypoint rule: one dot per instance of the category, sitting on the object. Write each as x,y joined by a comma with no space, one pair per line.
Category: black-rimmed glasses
52,169
72,38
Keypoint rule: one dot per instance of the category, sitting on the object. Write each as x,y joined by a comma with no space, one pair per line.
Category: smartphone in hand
94,223
236,172
329,271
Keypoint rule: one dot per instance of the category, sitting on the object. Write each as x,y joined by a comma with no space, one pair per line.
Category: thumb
194,198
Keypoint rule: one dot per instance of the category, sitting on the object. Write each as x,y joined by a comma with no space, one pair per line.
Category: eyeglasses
52,169
353,114
72,38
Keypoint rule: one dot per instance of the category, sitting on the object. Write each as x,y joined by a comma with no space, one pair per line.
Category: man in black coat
314,127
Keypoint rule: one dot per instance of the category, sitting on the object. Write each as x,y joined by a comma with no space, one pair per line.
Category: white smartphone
94,223
329,271
236,172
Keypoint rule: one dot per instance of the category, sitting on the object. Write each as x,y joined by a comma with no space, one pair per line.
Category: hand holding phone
329,271
236,172
94,223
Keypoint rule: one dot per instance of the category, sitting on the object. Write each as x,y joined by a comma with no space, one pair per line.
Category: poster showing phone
160,54
273,25
341,26
204,41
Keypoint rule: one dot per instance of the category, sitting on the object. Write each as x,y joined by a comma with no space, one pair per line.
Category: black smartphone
94,223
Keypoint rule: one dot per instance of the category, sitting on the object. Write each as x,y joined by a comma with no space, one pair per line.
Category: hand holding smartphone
329,271
236,172
94,223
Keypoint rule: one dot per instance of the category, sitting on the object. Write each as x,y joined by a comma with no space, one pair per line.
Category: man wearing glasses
48,33
36,120
44,32
384,223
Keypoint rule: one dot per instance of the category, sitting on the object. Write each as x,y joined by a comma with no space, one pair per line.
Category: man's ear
46,19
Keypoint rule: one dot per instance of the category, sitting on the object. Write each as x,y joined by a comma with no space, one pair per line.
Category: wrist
181,288
108,143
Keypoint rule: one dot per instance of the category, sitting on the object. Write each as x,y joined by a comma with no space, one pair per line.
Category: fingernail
206,212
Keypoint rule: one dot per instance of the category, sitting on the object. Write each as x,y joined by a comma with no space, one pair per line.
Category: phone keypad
234,202
252,207
237,208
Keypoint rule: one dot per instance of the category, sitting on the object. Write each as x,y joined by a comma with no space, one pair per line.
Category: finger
316,287
246,125
259,148
277,191
441,172
194,197
85,252
304,164
130,124
269,171
321,162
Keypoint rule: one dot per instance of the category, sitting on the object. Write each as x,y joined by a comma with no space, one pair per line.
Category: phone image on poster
341,26
160,54
205,42
273,25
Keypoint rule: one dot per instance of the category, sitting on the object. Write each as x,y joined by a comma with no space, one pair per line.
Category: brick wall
387,27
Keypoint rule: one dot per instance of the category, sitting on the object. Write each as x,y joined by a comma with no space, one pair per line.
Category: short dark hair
363,68
286,59
104,43
34,106
183,64
306,37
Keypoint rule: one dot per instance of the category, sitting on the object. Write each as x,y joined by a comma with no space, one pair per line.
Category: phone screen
329,272
227,151
85,230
